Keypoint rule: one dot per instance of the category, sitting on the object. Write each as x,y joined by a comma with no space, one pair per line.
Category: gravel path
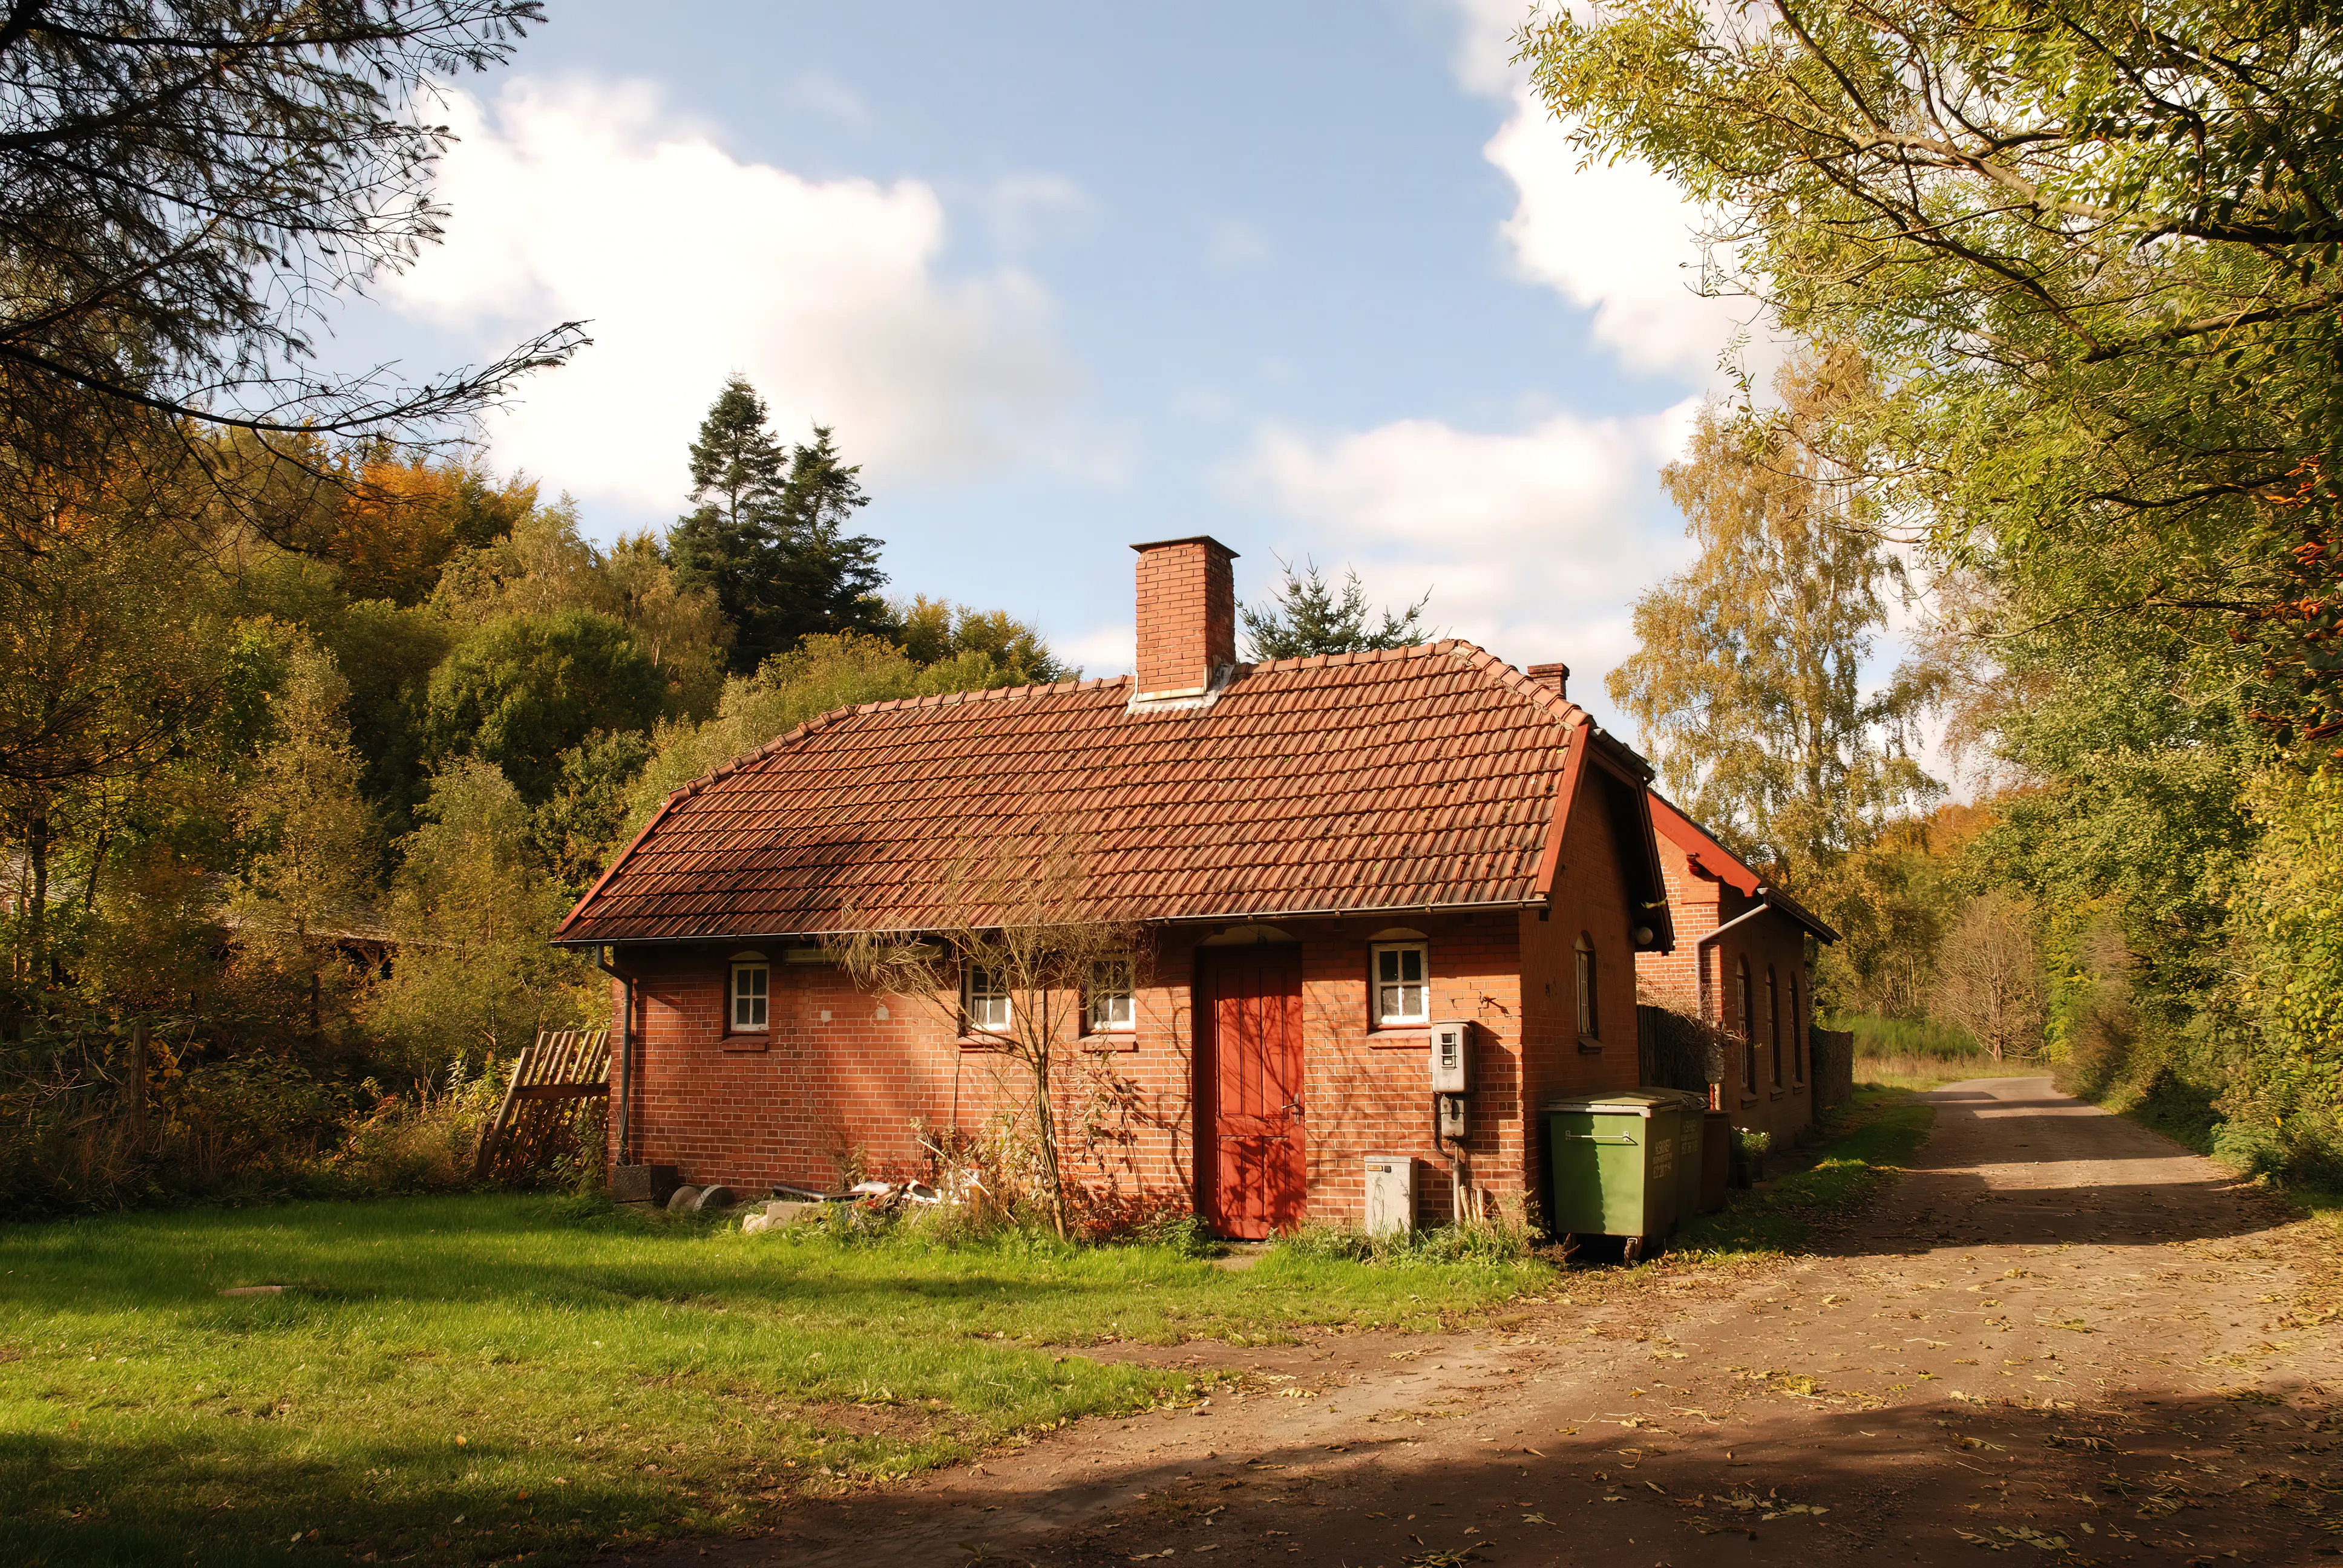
2060,1336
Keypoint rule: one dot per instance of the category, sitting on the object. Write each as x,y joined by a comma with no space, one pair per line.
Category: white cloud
825,95
1101,651
1029,209
1233,245
1531,542
590,199
1482,60
1617,239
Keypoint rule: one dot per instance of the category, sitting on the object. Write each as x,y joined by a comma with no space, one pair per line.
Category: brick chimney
1554,678
1187,616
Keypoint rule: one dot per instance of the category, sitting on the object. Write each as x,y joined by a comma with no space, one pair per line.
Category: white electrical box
1452,1058
1391,1195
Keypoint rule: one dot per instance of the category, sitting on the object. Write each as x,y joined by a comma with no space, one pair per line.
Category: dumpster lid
1693,1099
1621,1103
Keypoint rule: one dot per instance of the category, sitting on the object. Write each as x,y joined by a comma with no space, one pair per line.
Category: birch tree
1748,686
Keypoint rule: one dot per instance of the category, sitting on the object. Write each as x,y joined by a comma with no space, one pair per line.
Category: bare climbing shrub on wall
1007,950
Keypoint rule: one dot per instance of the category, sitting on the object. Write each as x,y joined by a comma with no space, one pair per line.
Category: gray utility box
1391,1195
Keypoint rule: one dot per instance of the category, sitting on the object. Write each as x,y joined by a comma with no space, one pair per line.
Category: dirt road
2059,1337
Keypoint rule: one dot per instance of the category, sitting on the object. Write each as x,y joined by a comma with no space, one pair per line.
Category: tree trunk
1045,1128
37,852
137,1085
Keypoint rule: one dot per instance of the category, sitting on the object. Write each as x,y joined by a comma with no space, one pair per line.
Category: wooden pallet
538,1118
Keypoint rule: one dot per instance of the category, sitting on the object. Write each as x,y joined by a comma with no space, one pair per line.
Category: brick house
1739,962
1329,855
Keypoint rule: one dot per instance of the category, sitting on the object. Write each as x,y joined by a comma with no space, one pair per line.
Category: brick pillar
1187,615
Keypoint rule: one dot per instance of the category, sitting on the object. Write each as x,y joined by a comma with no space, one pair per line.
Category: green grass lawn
480,1377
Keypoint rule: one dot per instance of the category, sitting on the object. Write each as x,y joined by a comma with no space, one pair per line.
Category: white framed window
1590,1022
752,984
1402,995
1108,1008
984,1001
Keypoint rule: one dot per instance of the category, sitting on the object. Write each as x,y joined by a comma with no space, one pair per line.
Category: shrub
1473,1241
415,1146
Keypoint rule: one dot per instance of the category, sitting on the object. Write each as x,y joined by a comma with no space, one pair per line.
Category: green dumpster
1615,1165
1688,1130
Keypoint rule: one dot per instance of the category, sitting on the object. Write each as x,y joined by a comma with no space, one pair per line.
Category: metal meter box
1448,1118
1452,1058
1391,1195
1614,1158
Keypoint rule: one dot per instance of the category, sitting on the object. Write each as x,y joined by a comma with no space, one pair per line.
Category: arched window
1798,1027
1589,1020
1746,1010
1774,1020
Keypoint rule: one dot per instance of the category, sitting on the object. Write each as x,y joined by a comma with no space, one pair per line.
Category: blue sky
1315,279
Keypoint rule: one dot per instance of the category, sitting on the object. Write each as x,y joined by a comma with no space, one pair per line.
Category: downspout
1700,960
625,1051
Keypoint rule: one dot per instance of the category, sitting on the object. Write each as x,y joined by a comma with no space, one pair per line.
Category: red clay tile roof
1405,779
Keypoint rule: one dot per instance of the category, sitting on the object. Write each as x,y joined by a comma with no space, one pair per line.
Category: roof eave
1218,917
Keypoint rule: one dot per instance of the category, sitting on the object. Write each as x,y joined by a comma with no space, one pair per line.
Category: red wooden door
1253,1171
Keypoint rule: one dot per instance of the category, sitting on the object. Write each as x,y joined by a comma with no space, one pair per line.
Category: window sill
1773,1094
1400,1037
1591,1046
1748,1100
967,1044
1104,1042
745,1042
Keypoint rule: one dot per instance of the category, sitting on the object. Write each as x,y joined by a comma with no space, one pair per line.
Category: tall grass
1913,1052
1878,1036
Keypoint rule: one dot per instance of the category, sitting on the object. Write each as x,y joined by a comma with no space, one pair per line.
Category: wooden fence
1675,1050
1831,1053
539,1117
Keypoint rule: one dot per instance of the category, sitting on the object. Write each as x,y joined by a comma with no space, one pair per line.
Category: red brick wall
1187,614
822,1088
1589,898
1700,904
832,1077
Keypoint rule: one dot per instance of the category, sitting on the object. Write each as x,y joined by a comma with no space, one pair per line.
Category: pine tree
827,580
736,464
769,535
725,544
1304,617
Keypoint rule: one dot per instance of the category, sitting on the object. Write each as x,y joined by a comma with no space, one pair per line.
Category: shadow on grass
222,1497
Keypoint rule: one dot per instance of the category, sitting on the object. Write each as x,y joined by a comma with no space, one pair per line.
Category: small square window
1401,996
987,1003
751,988
1108,1009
